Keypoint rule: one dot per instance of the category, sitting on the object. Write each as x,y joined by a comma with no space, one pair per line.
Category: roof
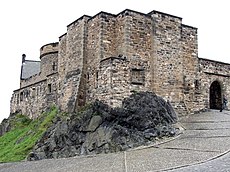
30,68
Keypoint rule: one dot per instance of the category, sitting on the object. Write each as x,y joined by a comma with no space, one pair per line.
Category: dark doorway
215,95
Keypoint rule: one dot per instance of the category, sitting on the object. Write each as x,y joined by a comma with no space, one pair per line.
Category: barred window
54,66
137,76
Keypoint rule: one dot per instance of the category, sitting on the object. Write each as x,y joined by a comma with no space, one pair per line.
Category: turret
49,58
48,49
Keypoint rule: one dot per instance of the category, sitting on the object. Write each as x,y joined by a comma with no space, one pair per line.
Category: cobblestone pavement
203,146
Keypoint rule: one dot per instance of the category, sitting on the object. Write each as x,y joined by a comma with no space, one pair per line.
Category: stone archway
215,95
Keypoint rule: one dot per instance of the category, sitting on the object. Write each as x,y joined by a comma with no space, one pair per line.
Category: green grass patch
19,141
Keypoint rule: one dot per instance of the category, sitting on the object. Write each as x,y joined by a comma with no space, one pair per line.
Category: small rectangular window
37,91
33,92
197,85
49,88
54,66
137,76
17,98
21,96
88,76
26,93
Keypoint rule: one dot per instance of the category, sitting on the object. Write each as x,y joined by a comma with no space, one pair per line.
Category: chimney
23,58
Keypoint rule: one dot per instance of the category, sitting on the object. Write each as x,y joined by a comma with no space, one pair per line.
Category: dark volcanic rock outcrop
4,126
101,129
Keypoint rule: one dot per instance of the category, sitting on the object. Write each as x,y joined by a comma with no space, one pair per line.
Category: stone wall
189,48
120,35
94,53
30,100
211,71
62,57
52,90
33,99
31,80
138,34
168,72
72,47
126,35
118,77
108,35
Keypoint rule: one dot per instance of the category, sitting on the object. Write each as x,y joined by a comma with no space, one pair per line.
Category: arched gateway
215,95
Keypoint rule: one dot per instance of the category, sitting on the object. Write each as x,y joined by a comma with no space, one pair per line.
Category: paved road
204,146
218,164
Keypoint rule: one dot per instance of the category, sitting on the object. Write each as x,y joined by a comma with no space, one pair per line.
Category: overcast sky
26,25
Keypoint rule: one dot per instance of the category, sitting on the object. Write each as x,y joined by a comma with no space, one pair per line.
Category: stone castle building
107,57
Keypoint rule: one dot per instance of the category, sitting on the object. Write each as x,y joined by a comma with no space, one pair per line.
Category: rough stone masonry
108,56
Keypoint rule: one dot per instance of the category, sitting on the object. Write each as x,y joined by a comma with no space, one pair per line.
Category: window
21,96
26,93
33,92
97,75
88,76
197,85
137,76
54,66
49,88
37,90
17,98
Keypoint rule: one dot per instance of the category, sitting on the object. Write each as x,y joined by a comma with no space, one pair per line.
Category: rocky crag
98,128
4,126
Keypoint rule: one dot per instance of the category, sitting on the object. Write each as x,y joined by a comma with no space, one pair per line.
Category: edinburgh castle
108,57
